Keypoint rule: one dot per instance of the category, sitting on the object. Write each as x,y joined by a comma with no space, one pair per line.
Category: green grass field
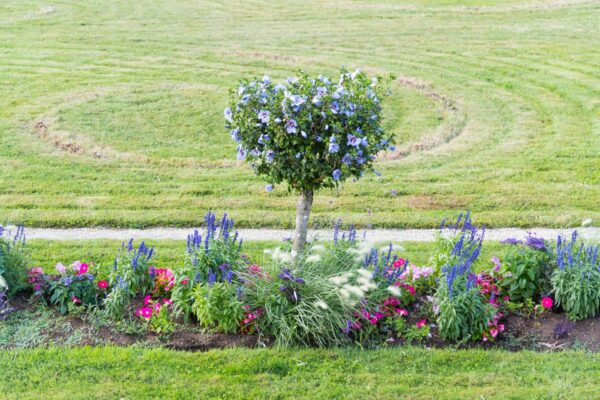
408,373
111,112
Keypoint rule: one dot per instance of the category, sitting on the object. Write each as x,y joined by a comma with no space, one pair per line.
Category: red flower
547,302
75,300
185,281
399,263
102,284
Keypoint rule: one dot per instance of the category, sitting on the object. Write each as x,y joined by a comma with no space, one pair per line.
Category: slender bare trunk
302,214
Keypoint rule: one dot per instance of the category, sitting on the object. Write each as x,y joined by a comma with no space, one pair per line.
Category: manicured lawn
412,373
128,99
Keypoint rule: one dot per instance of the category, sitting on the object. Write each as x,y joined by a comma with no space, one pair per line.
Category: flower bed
339,293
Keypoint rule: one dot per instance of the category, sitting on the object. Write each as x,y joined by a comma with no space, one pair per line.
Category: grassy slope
94,373
132,94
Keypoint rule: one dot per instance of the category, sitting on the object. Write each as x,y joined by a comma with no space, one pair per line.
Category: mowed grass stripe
522,114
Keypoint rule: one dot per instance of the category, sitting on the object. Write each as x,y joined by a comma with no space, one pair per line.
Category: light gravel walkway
376,235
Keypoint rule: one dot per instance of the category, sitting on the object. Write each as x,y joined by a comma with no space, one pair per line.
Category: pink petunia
102,284
411,289
421,323
144,312
402,311
147,300
83,268
547,302
75,300
494,332
37,287
185,281
399,263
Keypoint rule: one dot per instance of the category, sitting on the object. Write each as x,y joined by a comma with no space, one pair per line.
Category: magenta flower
421,323
547,302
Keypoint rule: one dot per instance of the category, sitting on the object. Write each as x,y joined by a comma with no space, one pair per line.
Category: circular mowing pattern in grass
181,122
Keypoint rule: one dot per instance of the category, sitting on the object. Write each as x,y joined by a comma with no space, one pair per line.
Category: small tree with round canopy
311,133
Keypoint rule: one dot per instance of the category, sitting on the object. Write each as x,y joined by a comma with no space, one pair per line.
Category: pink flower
75,300
185,281
144,312
501,327
60,268
411,289
167,302
547,302
102,284
402,312
496,262
494,332
399,263
147,300
421,323
83,268
37,287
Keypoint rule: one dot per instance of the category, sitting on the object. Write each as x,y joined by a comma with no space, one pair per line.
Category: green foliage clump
13,261
576,280
527,270
217,306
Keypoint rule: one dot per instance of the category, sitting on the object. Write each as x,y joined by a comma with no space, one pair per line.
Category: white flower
365,273
318,248
279,255
587,222
344,293
320,303
3,284
338,280
355,290
394,290
314,258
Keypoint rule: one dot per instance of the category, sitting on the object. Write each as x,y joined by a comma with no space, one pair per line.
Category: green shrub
527,271
217,306
13,262
130,276
576,281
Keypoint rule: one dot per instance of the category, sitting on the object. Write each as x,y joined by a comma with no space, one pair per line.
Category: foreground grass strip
136,373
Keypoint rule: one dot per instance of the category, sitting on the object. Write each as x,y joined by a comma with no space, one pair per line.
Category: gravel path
377,235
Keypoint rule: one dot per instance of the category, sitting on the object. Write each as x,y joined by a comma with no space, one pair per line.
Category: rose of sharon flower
547,302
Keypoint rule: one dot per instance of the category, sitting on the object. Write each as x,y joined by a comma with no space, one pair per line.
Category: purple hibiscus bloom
228,115
353,140
334,147
347,159
337,174
241,153
269,155
291,126
264,116
264,139
235,134
335,107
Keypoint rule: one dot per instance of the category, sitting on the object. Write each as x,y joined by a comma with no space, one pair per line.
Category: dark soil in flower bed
549,332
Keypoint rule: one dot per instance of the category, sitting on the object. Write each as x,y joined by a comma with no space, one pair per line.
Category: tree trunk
302,214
